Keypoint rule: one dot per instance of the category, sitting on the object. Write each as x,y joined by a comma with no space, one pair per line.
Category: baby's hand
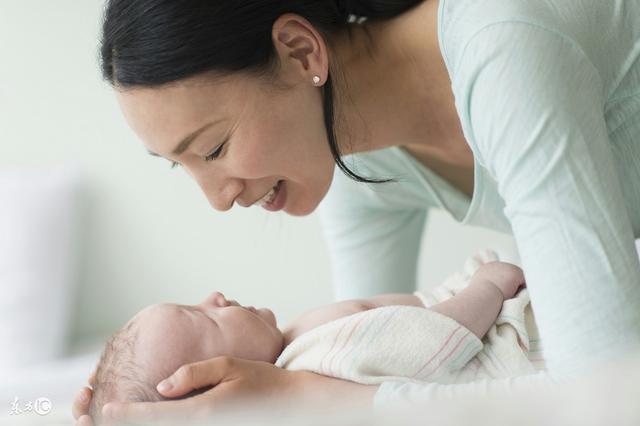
506,277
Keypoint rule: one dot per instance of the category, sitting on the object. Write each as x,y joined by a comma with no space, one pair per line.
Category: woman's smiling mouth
275,199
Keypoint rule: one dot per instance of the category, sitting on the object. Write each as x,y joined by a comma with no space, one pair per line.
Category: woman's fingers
156,412
92,377
84,421
237,386
197,375
81,403
235,383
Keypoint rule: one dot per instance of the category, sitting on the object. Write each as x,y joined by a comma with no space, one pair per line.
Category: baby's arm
478,305
324,314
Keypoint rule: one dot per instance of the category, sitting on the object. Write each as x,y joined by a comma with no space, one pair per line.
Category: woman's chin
301,210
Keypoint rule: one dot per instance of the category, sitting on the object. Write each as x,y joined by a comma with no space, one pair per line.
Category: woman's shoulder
460,21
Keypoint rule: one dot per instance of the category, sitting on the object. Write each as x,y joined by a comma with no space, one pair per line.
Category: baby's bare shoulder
342,309
327,313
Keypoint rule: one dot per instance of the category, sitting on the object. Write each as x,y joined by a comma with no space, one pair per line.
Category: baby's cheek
187,350
209,347
172,358
260,343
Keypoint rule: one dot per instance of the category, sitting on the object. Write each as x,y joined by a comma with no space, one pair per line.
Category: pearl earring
316,79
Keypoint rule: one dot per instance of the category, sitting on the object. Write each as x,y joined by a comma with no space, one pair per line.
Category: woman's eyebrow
184,144
188,140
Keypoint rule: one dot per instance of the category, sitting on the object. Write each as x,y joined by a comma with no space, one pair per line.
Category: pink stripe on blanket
444,345
355,327
449,354
368,331
335,340
344,344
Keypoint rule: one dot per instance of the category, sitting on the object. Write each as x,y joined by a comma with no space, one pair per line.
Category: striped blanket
408,343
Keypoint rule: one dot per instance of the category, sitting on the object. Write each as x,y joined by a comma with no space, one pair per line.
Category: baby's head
161,338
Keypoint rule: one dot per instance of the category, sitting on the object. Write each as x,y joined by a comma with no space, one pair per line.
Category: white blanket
407,343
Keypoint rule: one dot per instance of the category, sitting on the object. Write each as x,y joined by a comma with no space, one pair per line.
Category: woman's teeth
268,198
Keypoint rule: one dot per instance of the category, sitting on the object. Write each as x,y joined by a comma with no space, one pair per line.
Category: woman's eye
174,164
215,154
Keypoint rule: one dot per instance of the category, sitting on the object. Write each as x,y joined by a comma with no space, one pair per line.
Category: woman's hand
238,381
82,401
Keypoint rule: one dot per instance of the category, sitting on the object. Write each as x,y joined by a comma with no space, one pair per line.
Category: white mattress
56,381
608,396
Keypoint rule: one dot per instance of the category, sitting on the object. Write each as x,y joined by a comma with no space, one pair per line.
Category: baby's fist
506,276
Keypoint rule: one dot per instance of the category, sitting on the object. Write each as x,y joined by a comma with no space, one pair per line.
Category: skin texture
262,141
215,327
399,95
221,327
195,339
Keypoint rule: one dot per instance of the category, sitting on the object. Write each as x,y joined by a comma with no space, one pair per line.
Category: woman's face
268,136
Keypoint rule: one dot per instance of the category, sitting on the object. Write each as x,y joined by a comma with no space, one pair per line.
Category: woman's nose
217,201
221,196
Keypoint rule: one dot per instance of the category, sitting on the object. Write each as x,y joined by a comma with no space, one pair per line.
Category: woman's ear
300,45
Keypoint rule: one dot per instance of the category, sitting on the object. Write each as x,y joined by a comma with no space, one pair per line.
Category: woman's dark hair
154,42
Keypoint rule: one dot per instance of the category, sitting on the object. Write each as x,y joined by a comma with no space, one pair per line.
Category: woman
514,115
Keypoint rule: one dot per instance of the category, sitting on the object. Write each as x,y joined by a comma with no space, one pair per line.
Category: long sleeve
532,106
412,394
535,105
373,249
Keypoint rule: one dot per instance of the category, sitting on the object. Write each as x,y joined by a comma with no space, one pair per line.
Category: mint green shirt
548,94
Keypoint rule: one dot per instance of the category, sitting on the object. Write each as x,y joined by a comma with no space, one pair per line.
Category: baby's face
171,335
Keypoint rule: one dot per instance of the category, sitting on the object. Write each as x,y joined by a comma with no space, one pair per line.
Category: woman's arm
240,386
533,109
415,394
373,244
535,104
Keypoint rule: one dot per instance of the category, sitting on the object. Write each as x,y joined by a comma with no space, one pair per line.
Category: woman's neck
399,92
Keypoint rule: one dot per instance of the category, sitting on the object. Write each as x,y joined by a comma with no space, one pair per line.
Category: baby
161,338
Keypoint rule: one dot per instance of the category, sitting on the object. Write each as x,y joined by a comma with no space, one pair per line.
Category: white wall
149,235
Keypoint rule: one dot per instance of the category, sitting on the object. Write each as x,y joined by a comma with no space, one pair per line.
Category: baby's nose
216,298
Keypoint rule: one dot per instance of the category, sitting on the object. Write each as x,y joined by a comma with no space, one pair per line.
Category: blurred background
92,229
